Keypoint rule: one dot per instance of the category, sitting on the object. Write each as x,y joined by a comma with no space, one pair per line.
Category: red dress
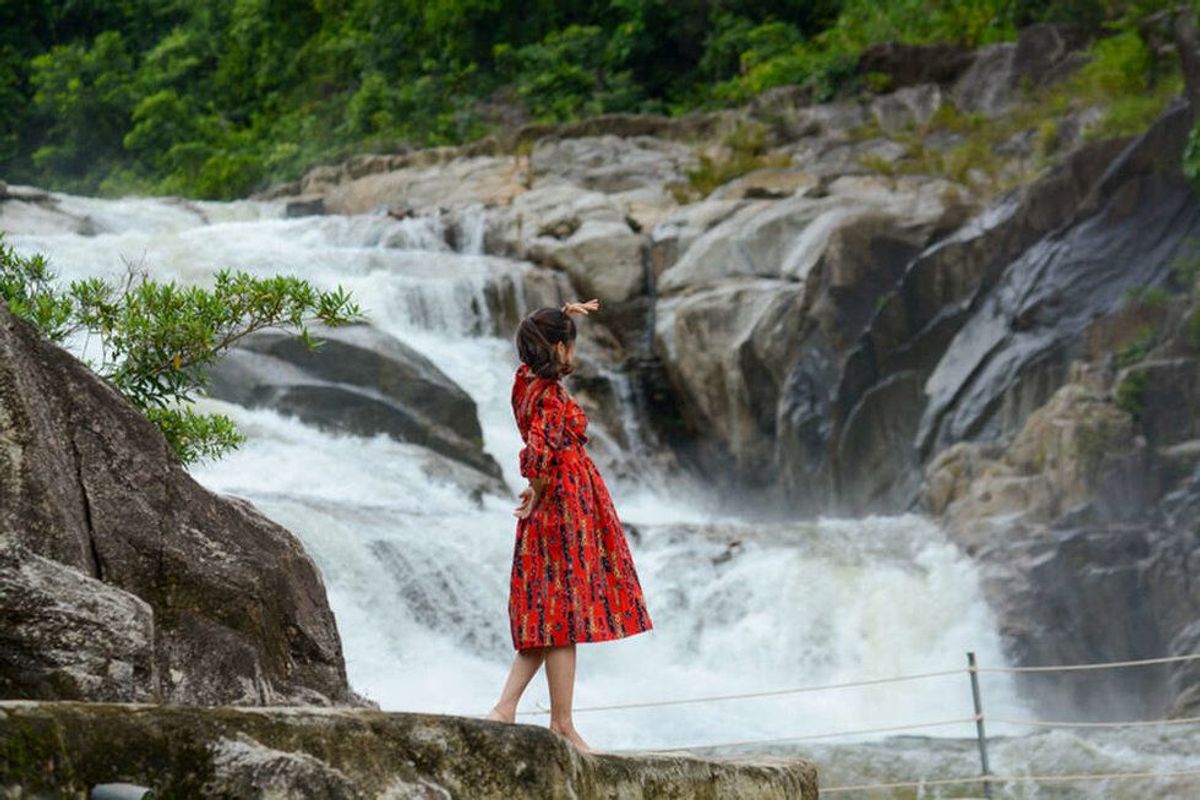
573,578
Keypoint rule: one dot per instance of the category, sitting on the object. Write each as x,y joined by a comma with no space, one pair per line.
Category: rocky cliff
121,578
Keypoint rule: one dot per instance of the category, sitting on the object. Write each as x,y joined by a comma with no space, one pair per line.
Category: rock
904,341
688,127
1126,234
611,163
1043,53
770,183
68,636
490,180
1168,387
1086,556
28,194
361,381
912,64
304,206
677,231
769,286
828,120
1052,465
908,107
239,608
786,239
183,751
585,234
3,190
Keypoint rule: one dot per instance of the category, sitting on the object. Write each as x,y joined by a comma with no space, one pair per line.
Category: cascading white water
417,574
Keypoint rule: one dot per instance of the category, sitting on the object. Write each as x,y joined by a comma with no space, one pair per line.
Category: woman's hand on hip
529,498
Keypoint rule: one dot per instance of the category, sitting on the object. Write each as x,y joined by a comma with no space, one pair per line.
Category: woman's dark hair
536,336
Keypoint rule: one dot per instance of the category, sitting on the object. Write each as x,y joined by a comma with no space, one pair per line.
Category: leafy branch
157,340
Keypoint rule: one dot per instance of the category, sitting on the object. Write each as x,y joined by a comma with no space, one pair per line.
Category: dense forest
216,98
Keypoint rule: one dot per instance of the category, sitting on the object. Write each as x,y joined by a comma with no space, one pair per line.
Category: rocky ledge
187,751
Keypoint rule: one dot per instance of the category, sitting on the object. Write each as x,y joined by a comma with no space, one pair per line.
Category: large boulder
361,381
764,285
237,607
66,635
1088,550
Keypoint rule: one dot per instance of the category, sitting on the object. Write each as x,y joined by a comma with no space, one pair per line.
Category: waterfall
417,573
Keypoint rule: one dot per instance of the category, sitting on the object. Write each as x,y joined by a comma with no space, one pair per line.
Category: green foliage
1131,392
217,98
571,72
1185,267
1138,348
157,340
1123,76
1193,327
743,150
26,284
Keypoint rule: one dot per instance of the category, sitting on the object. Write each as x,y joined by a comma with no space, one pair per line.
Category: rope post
979,732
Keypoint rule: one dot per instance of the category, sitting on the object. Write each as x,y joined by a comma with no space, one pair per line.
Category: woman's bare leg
525,666
560,675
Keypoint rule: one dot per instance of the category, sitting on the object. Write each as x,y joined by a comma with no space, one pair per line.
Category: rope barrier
1140,723
987,779
892,729
1093,776
766,693
810,736
1105,665
872,682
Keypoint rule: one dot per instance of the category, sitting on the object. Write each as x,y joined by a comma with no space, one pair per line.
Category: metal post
983,758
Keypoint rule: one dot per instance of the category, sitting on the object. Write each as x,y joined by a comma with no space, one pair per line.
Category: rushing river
417,572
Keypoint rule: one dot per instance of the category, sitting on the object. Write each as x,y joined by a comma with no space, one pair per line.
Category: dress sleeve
546,429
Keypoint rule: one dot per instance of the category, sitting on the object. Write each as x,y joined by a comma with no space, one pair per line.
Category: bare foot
569,732
500,715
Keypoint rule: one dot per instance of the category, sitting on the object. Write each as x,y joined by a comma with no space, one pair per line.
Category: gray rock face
239,609
611,163
764,296
880,395
1086,557
1126,234
360,380
68,636
1041,55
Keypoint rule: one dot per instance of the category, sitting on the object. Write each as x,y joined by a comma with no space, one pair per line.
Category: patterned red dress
573,578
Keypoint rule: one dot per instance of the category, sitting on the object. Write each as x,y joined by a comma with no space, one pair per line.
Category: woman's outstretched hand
581,308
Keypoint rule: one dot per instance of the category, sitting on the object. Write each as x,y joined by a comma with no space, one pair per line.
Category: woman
573,578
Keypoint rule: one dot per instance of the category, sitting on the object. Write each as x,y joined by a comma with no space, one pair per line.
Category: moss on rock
63,748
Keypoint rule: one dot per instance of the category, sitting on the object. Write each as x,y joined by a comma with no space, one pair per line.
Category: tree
157,340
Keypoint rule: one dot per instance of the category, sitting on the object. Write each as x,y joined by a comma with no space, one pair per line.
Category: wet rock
305,206
240,614
224,752
361,381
